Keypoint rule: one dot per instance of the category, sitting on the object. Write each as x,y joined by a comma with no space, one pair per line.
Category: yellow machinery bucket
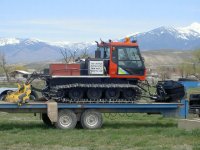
22,95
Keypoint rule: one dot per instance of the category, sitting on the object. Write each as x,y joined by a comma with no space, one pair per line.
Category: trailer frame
53,109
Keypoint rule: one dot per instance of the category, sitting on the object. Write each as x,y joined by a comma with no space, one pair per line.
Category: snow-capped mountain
8,41
33,50
182,38
162,38
194,27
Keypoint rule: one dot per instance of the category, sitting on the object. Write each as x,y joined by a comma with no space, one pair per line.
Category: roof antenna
102,41
97,43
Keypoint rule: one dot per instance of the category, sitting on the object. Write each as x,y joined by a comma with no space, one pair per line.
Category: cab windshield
128,53
129,60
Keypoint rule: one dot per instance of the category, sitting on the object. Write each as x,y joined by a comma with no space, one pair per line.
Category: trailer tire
66,119
46,120
91,119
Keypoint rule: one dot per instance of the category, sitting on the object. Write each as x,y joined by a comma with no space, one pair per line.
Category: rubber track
94,86
55,89
99,101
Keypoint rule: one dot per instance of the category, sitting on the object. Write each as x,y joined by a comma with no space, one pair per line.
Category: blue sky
89,20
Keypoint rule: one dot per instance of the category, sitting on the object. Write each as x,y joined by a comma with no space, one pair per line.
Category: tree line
188,68
68,56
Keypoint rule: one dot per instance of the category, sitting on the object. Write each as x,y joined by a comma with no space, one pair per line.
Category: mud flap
52,110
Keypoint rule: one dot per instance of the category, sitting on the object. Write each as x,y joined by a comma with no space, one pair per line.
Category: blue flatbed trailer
65,115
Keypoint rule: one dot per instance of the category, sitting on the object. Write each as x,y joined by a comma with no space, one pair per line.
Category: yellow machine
22,95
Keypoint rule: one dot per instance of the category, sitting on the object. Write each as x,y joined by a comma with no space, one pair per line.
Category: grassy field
193,90
138,131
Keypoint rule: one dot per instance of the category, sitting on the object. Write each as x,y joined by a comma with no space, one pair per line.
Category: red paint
64,69
113,71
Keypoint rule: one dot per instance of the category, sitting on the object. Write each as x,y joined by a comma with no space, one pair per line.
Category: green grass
194,90
138,131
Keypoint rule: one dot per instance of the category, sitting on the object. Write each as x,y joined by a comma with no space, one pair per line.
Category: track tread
55,89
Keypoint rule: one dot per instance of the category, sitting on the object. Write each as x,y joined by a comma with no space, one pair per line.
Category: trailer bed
67,116
167,109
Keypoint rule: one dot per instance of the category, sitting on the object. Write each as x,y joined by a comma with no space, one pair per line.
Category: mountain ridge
29,50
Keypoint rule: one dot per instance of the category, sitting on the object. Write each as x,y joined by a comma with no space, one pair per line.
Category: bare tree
84,53
73,54
191,67
3,65
196,63
69,55
64,53
196,70
164,72
196,55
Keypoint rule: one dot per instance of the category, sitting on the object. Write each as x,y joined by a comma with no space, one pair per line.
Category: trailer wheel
46,120
66,119
91,119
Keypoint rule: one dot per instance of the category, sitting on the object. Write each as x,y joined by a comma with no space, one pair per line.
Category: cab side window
105,52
